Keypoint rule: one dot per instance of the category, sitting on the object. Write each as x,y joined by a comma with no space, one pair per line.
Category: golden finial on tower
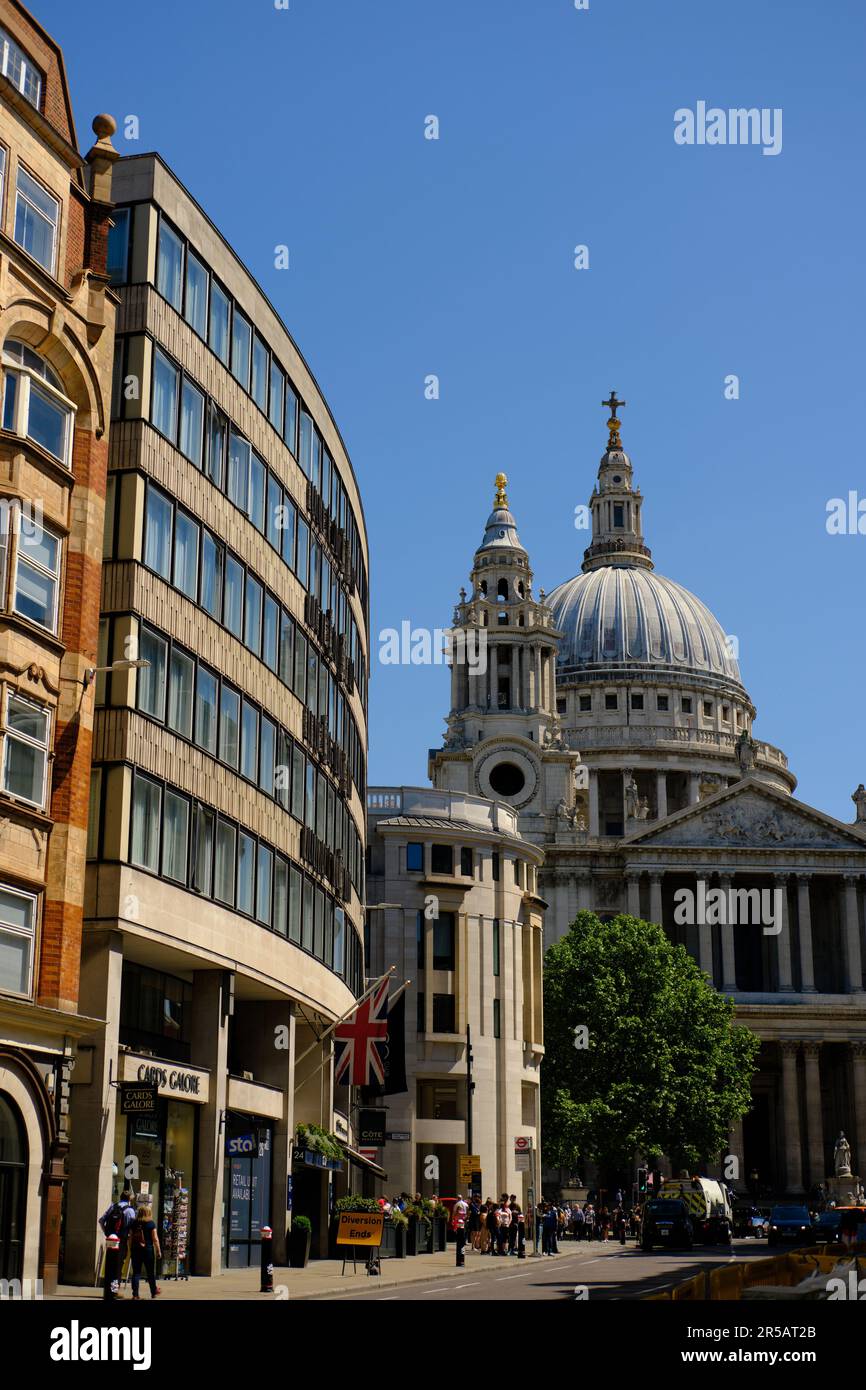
613,424
500,499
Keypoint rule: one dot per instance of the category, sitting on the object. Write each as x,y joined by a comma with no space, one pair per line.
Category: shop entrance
247,1200
163,1148
13,1183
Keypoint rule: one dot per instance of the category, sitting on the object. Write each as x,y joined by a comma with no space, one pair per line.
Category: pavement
606,1270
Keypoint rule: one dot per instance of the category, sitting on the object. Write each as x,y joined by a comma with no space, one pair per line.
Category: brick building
57,334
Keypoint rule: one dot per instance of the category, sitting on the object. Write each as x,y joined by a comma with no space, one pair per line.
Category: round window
507,779
617,479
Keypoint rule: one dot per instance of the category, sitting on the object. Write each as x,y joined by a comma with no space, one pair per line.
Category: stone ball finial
104,126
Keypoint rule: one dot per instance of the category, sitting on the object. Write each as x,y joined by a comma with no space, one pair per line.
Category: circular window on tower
617,479
507,779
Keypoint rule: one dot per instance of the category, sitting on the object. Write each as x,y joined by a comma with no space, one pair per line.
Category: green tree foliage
665,1068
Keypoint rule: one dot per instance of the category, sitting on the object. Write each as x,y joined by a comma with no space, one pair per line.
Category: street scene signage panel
360,1228
137,1100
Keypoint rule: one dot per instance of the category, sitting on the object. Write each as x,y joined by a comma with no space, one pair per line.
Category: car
667,1221
789,1222
832,1224
750,1221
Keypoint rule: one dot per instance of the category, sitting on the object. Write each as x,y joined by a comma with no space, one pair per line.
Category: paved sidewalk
320,1279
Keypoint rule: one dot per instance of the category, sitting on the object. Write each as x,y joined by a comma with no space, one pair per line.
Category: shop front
247,1199
155,1149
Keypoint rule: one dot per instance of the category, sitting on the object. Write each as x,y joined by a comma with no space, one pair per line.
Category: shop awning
361,1162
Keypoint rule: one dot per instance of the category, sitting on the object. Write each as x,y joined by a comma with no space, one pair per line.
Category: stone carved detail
749,820
859,799
842,1157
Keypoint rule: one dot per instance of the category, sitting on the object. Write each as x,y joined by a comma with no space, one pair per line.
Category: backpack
112,1221
138,1236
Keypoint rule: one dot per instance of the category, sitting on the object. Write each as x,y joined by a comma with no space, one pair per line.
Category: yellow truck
708,1206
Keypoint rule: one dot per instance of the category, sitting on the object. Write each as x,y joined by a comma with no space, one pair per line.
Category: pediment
750,815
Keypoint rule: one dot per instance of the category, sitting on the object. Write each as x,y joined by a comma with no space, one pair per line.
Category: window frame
29,934
39,747
55,239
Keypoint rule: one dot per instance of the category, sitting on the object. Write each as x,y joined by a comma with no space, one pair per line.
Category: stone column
783,940
705,937
804,918
209,1048
662,794
538,700
584,892
858,1070
633,889
524,676
493,669
694,788
593,802
814,1124
573,898
729,957
851,936
791,1112
656,912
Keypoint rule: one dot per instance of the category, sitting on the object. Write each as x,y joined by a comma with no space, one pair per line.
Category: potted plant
439,1215
299,1242
394,1236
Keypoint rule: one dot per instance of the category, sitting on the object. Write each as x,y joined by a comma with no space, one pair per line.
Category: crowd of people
590,1220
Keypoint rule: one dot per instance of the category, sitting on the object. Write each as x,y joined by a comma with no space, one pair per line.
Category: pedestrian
458,1221
589,1220
619,1224
577,1222
474,1224
503,1226
548,1230
604,1224
514,1208
492,1225
145,1248
117,1220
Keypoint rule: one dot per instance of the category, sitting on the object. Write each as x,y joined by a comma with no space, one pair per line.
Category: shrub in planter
299,1242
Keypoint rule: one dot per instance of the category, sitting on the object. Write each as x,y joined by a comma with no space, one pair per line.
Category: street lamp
115,666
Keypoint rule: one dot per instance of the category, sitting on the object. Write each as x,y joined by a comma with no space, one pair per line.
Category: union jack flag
360,1040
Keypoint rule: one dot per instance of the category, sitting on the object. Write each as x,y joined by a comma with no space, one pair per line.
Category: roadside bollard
460,1233
521,1237
111,1278
267,1260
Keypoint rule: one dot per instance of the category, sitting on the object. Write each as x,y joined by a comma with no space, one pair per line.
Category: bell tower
503,737
616,504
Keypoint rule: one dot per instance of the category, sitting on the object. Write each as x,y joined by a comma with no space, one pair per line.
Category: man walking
514,1208
503,1225
458,1219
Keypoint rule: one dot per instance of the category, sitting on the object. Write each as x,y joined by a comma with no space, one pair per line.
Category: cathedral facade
611,714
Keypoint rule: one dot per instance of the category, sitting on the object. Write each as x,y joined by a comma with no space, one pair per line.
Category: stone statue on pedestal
859,799
842,1157
632,800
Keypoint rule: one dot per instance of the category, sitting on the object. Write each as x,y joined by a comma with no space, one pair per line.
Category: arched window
483,587
34,405
502,589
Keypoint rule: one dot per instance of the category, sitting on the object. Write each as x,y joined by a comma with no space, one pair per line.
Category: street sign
468,1164
360,1228
371,1128
137,1100
523,1162
522,1144
401,1136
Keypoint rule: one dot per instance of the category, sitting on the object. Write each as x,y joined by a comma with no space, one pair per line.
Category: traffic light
641,1182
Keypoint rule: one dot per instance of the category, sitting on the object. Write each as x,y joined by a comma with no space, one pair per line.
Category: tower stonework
503,738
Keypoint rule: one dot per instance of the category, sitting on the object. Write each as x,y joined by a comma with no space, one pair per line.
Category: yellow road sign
360,1228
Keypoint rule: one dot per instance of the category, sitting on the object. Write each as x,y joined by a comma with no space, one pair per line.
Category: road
608,1271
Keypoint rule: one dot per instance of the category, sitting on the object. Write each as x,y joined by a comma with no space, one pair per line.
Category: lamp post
122,665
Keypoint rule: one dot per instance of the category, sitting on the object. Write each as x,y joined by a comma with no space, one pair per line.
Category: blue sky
455,257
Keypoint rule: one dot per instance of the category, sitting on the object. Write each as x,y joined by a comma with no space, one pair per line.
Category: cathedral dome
622,616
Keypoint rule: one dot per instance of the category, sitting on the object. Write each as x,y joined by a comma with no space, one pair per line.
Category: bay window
175,836
229,738
146,818
224,862
246,873
261,368
152,678
169,266
220,319
186,538
37,214
180,687
159,516
163,413
233,606
37,574
206,710
241,344
34,405
25,750
21,72
195,310
17,940
192,423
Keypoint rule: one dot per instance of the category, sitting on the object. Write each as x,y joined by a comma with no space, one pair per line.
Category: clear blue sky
454,257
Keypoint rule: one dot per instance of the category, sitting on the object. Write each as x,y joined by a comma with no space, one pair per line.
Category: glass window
239,471
467,865
196,294
420,933
264,866
192,423
233,607
48,422
443,941
206,694
20,71
305,454
146,816
250,741
310,795
290,424
186,534
444,1013
318,925
164,411
253,615
181,674
297,783
494,867
274,513
241,344
25,752
175,836
302,565
287,647
169,266
288,521
316,474
339,939
261,370
224,862
257,492
294,904
246,873
267,755
278,391
220,316
496,945
36,217
414,858
497,1019
218,434
270,632
300,685
17,934
307,917
212,555
152,678
203,847
281,896
230,706
37,574
442,859
283,769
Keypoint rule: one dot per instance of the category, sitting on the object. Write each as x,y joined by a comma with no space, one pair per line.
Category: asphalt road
608,1271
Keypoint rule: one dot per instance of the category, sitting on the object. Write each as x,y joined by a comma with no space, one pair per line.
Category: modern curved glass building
223,919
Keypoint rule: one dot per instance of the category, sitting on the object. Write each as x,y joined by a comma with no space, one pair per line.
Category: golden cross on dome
613,424
500,499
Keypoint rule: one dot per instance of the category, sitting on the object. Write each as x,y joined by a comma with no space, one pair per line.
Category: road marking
467,1286
391,1298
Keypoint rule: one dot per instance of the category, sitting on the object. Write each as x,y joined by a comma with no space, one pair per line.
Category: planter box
440,1232
299,1248
423,1238
393,1242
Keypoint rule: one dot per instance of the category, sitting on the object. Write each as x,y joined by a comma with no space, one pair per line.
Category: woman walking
145,1248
